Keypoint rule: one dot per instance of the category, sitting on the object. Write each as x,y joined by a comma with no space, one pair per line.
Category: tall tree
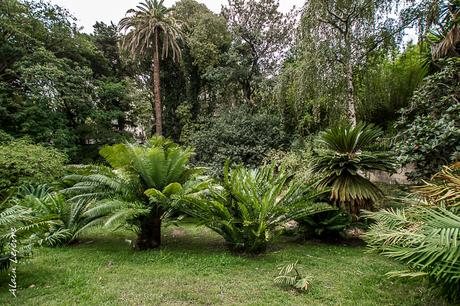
146,26
347,33
261,37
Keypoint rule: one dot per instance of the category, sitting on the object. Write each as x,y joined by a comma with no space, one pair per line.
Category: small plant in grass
251,206
290,277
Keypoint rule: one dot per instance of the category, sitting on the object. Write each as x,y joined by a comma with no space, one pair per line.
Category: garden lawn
194,268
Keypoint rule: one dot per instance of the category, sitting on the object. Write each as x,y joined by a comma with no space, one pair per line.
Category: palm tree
140,187
147,25
343,157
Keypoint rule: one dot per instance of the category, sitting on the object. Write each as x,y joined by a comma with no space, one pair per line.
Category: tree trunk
156,86
351,107
150,231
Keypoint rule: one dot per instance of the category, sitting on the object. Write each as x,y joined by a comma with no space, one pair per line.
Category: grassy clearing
193,267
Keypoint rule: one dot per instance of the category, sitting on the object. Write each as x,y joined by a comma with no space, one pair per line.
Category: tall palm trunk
156,86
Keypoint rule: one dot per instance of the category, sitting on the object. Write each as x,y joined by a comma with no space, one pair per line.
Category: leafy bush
250,207
295,161
22,162
236,133
5,137
430,126
140,186
342,158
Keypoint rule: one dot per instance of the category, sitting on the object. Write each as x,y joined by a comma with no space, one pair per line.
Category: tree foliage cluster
60,86
342,63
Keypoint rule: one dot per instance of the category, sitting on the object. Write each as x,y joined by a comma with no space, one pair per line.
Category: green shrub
22,162
295,161
237,133
342,158
430,127
250,207
5,137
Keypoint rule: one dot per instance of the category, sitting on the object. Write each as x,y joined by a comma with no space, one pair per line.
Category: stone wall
398,178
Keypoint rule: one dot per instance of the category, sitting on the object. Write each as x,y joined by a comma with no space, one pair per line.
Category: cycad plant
54,220
426,237
152,29
327,225
140,186
427,240
342,159
251,205
12,217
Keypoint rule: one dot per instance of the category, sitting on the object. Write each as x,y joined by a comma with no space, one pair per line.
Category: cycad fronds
426,239
343,157
13,217
53,219
251,205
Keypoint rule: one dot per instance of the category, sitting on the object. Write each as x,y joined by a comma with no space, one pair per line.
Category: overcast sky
89,11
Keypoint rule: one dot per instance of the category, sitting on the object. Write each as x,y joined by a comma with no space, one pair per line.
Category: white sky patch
88,12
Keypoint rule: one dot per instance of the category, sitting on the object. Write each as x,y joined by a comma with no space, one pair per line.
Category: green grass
194,268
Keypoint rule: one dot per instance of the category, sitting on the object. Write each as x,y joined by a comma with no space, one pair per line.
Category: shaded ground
193,268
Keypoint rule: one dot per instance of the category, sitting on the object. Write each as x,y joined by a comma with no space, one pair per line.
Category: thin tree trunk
351,111
156,87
